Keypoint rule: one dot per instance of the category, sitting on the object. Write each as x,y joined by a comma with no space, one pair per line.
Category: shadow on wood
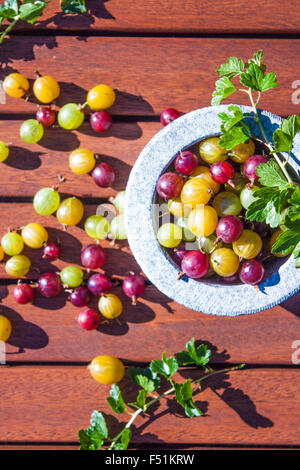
25,335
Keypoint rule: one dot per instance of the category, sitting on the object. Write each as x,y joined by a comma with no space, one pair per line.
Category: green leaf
258,59
12,5
296,251
194,355
267,206
184,397
297,263
224,88
287,240
141,398
231,118
231,68
255,79
295,198
166,367
270,175
269,81
272,210
6,13
73,6
115,400
294,209
283,138
123,440
145,378
234,136
93,437
31,11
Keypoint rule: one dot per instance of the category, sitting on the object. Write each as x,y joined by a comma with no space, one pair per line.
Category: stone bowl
282,278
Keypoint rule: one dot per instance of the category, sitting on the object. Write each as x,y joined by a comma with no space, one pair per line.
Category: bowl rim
222,300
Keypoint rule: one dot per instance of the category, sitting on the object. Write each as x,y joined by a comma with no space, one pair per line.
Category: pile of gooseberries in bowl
207,234
187,199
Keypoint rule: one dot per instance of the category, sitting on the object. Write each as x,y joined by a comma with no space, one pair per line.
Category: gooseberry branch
209,373
257,119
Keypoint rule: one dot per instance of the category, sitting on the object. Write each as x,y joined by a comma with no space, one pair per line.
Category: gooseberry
107,370
46,89
34,235
31,131
89,319
110,306
82,161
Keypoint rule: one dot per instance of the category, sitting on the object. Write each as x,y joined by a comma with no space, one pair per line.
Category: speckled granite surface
217,299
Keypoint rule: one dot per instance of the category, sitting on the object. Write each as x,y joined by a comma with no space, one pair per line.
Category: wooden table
157,54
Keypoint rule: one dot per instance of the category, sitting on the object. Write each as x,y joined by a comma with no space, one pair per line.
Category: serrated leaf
269,81
283,138
99,424
231,68
295,198
12,5
224,88
30,11
258,209
287,240
6,13
296,251
184,397
255,79
234,136
141,398
115,400
257,59
231,118
273,215
123,440
93,437
271,175
166,367
194,355
85,441
145,378
73,6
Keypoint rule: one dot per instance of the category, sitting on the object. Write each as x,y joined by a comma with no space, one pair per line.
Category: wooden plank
241,408
177,16
48,331
119,258
145,323
32,166
150,73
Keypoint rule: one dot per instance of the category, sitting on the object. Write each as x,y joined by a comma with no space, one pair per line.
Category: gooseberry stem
257,118
208,373
8,29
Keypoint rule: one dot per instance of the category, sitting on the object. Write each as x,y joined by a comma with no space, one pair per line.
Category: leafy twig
31,10
148,379
278,201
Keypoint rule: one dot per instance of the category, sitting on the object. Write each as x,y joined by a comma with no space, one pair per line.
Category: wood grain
48,331
241,408
156,317
181,72
118,261
177,16
32,166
